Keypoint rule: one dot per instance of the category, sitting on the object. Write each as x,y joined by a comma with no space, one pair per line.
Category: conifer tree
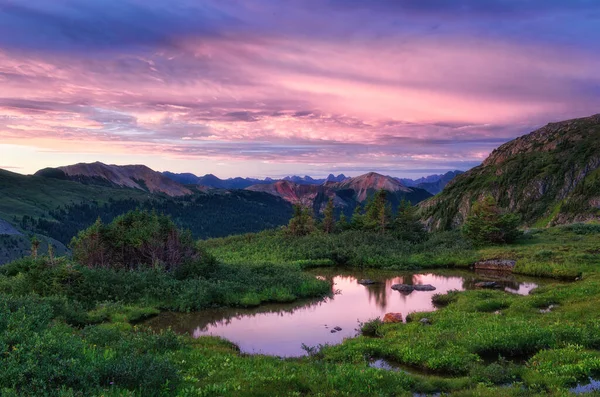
35,245
357,221
406,225
343,223
377,212
302,222
329,218
486,223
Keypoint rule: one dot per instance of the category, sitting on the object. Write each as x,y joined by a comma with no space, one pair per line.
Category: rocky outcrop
290,191
391,318
501,265
550,176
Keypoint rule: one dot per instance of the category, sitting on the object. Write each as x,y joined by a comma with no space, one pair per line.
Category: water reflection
281,329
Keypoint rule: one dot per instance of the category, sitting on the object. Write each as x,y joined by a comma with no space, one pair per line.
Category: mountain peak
136,176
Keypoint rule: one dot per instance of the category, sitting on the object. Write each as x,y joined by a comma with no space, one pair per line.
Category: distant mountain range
346,194
210,180
550,176
433,183
56,203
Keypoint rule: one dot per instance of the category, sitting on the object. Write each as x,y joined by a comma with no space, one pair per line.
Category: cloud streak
274,83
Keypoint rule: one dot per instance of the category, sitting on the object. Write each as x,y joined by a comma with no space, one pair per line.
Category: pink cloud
304,100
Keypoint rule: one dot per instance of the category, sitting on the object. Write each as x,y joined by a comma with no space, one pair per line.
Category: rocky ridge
550,176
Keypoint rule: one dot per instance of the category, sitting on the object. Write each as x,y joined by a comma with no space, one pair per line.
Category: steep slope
290,191
131,176
550,176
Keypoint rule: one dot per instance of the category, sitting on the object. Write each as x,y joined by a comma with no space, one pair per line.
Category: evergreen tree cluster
376,216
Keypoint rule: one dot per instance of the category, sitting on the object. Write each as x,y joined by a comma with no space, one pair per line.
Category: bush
372,328
583,228
440,300
40,356
135,240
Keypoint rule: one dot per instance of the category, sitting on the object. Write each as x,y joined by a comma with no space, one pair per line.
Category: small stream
282,329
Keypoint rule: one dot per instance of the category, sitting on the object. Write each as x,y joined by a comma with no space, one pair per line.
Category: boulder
503,265
410,288
392,318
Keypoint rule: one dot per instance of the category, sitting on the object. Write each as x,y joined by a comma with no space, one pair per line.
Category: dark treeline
205,215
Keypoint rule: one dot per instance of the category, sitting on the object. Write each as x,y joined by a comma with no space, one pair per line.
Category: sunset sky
276,87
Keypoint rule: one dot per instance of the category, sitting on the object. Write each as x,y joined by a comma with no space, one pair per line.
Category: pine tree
35,245
51,253
343,223
377,212
406,225
329,218
357,222
486,223
302,222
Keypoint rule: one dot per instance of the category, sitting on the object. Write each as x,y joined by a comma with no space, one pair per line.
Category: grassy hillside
34,196
58,209
550,176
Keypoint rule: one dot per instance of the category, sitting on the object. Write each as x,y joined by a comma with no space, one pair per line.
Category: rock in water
410,288
392,318
424,287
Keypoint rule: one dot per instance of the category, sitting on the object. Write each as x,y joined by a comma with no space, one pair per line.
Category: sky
277,87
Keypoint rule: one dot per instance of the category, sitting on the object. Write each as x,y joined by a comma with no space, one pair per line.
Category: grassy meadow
69,330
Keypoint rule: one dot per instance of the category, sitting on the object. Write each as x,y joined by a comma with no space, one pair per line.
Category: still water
281,329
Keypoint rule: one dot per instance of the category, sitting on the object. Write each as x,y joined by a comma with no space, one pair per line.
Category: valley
120,281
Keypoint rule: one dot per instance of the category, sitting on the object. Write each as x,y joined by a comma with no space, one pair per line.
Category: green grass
34,196
359,249
560,252
545,221
65,329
